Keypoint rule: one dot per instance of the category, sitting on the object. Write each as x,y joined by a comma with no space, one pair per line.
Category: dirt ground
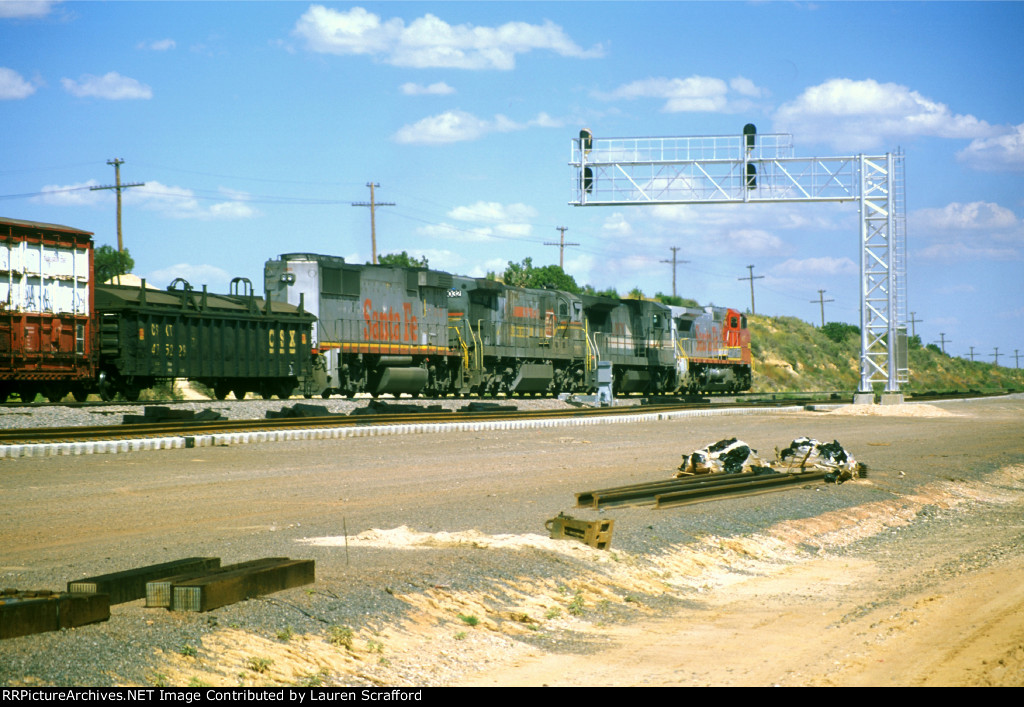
432,549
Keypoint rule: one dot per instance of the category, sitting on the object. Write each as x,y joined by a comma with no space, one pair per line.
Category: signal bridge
751,168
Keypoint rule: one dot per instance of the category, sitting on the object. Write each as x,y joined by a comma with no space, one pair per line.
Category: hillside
792,355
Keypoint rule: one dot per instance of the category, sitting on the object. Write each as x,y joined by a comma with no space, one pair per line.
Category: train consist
327,327
61,333
413,330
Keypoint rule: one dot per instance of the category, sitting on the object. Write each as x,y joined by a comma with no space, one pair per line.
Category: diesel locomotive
383,329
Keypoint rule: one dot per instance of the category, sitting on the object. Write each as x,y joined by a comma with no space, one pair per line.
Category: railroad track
186,428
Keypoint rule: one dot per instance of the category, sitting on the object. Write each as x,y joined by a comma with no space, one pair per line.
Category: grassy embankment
792,355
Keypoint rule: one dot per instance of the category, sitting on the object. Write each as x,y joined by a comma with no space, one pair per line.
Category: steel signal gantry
751,168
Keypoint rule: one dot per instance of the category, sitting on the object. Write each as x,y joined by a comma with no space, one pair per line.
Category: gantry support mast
751,168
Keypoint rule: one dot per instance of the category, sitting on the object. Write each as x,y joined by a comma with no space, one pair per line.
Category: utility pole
912,321
751,278
373,217
996,354
117,162
1016,358
561,246
971,354
673,262
943,340
821,299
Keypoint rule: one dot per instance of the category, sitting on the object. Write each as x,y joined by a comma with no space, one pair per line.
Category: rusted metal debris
596,533
23,613
730,467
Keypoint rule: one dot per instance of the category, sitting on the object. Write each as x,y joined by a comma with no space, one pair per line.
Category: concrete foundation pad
892,399
863,398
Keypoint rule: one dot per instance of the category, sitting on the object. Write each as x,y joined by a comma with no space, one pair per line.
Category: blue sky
256,125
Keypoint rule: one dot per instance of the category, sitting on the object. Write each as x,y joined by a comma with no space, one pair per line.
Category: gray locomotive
400,330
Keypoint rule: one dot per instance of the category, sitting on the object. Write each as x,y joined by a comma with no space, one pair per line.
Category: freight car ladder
751,168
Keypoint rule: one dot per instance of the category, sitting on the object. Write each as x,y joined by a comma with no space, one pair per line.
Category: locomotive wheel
54,395
80,394
131,393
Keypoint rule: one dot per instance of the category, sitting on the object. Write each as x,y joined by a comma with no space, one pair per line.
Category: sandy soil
432,550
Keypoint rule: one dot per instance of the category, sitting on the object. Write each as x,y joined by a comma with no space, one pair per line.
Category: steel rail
693,489
747,488
175,428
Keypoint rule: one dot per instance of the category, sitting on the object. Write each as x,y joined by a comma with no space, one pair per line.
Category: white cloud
111,86
216,279
13,86
26,8
1003,152
857,115
460,126
178,202
502,221
692,94
616,225
448,231
429,41
750,241
746,87
160,45
959,252
435,89
78,194
492,212
956,216
797,267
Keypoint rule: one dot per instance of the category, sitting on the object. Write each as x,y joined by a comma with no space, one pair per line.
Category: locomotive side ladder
751,168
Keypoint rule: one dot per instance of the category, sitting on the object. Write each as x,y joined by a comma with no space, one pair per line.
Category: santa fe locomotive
62,333
399,330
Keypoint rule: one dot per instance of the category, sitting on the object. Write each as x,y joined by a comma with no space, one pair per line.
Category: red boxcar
46,305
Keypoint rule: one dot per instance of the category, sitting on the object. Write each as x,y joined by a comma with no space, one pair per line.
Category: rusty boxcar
46,310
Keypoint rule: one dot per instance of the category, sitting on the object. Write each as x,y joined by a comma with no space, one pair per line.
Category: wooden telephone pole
373,217
117,162
561,246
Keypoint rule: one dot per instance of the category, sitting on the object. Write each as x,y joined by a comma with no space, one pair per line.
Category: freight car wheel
106,387
240,394
220,391
131,392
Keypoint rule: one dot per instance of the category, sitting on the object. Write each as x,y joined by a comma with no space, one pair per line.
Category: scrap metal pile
731,467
